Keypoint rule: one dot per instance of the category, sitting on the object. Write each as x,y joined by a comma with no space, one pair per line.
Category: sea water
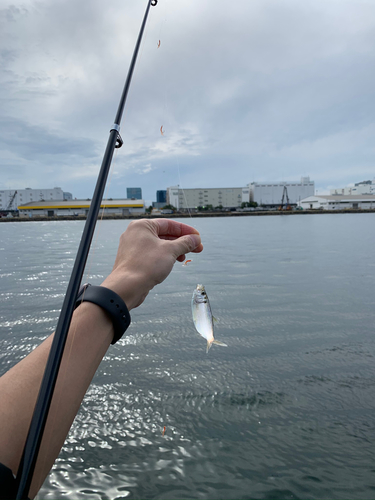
286,411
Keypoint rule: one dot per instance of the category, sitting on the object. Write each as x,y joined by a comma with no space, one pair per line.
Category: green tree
247,204
169,207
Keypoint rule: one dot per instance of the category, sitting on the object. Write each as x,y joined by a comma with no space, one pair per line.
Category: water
286,411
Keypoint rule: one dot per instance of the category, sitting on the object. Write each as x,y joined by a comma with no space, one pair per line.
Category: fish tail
209,344
217,342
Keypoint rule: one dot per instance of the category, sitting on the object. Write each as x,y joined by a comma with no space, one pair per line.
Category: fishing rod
31,449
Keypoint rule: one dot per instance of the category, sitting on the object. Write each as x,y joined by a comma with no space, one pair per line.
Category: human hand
147,252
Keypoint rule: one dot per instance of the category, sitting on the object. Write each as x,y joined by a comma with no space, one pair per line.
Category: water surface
285,411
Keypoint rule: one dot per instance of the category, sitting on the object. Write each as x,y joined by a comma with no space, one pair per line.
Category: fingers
171,228
186,244
180,238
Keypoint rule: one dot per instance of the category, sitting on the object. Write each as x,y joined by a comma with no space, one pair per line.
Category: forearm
89,337
146,255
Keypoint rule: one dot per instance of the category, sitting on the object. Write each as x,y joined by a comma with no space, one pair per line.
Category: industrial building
11,198
80,207
364,187
184,199
336,202
270,194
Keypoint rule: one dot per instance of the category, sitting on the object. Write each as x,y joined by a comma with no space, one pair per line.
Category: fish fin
209,344
217,342
215,320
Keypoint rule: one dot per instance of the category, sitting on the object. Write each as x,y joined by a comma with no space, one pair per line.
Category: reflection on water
286,411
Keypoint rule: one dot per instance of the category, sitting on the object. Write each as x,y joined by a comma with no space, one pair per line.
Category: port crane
286,203
9,207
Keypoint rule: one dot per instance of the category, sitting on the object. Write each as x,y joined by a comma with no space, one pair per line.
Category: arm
146,254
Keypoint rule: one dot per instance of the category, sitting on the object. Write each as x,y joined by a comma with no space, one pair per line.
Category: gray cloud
246,91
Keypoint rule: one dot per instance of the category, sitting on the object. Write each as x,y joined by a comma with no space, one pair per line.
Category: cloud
247,91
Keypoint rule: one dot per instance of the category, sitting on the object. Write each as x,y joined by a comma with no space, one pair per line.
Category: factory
270,194
184,199
338,202
11,198
79,208
364,187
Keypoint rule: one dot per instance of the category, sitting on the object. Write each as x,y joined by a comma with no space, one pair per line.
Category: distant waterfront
177,215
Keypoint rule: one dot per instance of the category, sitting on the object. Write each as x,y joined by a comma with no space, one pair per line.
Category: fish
202,316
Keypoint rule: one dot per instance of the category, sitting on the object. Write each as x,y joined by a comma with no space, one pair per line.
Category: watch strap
110,302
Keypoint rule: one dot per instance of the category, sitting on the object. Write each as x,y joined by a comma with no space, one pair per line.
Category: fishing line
95,244
163,21
136,71
166,112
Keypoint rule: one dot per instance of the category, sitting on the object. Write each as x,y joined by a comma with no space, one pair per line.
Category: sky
247,90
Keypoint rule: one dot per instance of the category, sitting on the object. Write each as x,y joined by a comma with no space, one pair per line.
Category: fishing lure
161,130
186,262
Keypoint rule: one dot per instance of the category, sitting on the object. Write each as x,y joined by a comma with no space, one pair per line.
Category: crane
9,207
286,197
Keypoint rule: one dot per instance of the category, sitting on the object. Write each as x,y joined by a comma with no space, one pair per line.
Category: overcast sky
246,90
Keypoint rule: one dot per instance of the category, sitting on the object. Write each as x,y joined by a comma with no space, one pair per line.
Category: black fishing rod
30,453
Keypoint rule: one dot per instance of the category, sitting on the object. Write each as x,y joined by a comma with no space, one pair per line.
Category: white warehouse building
271,193
183,199
10,199
365,187
337,202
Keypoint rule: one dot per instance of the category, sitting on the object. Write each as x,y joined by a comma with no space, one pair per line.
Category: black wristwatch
110,302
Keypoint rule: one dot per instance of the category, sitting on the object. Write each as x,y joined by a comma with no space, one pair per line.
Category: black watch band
110,302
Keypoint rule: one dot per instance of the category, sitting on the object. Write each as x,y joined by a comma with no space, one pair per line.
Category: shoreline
259,213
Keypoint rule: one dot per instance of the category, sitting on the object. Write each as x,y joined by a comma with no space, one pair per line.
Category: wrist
89,318
129,286
112,304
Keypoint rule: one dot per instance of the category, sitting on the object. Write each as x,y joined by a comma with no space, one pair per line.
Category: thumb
185,244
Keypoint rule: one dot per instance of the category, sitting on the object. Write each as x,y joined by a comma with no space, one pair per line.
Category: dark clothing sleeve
8,490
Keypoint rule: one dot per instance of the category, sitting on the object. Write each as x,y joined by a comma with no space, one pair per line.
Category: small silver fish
202,316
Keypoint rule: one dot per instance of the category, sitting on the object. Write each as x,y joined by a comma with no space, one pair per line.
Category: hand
147,252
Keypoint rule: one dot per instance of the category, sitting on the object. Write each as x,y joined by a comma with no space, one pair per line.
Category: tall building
161,196
271,193
10,199
134,193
